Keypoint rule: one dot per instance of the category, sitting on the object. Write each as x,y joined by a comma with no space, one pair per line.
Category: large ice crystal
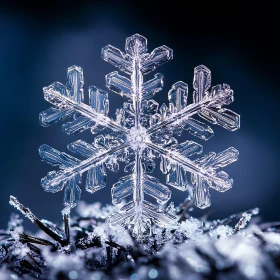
140,133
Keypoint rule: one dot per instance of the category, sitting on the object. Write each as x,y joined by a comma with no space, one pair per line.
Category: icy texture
141,132
196,248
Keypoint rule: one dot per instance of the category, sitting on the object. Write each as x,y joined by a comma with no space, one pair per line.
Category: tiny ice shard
141,132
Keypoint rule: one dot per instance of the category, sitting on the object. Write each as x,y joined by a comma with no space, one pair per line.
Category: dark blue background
39,41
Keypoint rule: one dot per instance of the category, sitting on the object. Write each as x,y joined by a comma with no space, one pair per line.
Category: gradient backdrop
38,42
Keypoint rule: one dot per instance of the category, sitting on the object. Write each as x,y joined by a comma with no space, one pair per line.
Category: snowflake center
138,137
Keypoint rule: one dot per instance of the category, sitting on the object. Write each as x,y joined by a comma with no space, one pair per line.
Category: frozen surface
140,132
236,247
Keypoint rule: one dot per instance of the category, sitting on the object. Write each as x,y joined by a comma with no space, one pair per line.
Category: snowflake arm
136,45
206,104
175,162
71,168
68,100
137,214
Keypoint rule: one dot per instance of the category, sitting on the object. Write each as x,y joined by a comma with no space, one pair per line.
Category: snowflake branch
191,110
190,166
61,101
138,193
82,167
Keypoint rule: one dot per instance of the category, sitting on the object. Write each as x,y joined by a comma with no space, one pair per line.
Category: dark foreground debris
86,247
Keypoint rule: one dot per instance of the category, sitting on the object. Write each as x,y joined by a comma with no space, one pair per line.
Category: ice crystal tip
136,44
141,132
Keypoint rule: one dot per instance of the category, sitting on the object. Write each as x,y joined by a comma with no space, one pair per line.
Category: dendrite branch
58,100
186,163
85,165
190,110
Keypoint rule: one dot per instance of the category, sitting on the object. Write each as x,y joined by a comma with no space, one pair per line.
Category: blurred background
39,41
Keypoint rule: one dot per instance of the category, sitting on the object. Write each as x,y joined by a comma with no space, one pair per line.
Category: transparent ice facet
55,157
53,114
136,45
154,188
151,87
177,177
122,189
78,125
82,148
119,84
223,117
178,96
157,57
201,83
141,133
72,194
189,148
98,100
198,129
75,83
96,179
201,194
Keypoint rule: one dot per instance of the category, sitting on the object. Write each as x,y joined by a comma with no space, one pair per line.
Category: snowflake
140,133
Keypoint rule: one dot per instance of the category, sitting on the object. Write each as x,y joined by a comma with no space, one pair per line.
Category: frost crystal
193,249
141,132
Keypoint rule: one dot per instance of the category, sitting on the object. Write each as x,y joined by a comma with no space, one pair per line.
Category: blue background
39,41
